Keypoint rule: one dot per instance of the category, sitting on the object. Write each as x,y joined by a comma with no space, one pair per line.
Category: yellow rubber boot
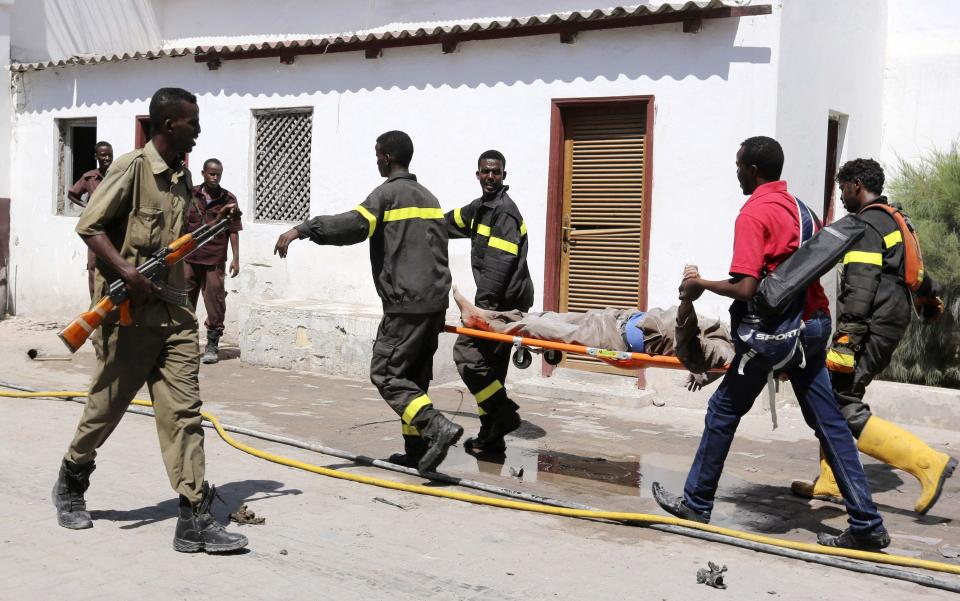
823,488
895,446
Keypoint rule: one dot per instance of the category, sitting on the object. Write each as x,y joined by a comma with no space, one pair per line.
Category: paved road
327,539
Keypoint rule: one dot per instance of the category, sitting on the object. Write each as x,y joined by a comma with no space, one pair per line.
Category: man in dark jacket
408,255
498,256
874,307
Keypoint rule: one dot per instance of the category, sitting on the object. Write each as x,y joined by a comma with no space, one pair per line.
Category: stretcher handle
663,361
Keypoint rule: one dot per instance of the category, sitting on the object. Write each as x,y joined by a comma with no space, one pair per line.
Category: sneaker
871,541
675,505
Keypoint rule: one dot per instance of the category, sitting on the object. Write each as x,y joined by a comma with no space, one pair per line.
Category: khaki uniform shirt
141,205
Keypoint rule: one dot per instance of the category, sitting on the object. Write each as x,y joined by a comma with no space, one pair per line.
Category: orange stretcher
553,351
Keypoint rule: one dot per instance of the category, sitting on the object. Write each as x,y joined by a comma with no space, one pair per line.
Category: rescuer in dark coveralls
874,307
408,255
498,255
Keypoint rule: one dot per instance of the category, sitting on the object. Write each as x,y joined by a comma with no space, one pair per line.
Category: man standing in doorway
206,268
85,186
408,256
767,231
874,307
498,255
139,208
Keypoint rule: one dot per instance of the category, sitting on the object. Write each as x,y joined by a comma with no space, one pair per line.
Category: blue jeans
811,383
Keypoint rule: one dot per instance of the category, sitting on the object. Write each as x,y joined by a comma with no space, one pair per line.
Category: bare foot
470,315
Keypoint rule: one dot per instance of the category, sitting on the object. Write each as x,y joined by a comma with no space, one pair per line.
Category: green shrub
929,191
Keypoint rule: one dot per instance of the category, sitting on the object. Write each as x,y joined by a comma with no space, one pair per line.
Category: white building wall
921,86
711,89
832,61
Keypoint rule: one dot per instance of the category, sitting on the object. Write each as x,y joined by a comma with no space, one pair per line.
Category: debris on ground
387,502
713,576
949,551
283,551
246,516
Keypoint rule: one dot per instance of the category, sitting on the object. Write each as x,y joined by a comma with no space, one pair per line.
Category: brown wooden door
602,220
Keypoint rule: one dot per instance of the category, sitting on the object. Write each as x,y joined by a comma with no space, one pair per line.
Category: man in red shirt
767,231
87,183
206,268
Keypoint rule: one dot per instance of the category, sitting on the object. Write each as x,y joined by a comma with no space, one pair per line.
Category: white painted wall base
324,338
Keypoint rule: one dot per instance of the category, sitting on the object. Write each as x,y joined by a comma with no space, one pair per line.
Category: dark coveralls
874,309
498,256
408,256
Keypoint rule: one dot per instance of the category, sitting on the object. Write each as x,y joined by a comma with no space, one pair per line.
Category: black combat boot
493,427
440,434
414,448
212,352
198,531
874,540
73,481
675,505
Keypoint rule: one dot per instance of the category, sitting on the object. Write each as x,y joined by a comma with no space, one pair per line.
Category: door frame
554,217
551,269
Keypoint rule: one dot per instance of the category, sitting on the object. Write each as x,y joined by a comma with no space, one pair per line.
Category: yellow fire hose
617,516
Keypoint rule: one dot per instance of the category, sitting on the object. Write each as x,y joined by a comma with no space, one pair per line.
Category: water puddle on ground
617,476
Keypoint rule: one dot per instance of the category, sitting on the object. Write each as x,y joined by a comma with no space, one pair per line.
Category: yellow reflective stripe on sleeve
369,217
503,245
458,217
483,230
490,390
894,237
412,213
844,359
414,407
523,229
409,430
859,256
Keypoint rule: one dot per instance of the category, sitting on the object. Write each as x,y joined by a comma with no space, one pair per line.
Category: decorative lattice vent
282,164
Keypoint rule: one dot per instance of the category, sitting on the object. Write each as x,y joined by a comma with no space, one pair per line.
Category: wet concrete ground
587,453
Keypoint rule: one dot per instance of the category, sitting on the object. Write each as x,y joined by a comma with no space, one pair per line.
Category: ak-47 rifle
154,269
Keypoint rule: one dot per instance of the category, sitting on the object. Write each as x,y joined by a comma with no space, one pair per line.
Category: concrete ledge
333,339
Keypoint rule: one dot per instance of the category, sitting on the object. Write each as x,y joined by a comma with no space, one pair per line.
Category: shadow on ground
231,496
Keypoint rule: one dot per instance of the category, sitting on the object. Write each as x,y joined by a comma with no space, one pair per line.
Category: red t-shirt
766,233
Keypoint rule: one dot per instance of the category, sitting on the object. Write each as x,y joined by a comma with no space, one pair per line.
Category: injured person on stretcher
677,331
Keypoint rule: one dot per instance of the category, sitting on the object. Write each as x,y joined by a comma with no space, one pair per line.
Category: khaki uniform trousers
167,359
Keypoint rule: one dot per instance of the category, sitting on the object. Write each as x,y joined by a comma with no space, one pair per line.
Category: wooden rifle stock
77,331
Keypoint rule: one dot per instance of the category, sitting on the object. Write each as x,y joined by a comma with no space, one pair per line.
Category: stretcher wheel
552,356
522,358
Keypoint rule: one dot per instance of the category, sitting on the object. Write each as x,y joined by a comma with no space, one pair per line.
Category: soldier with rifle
137,210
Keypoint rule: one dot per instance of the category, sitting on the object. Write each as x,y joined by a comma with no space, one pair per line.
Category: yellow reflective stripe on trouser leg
894,237
458,217
409,430
370,218
412,213
414,407
859,256
488,391
523,229
501,244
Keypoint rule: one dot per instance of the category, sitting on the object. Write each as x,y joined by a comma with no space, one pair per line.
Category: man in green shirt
137,209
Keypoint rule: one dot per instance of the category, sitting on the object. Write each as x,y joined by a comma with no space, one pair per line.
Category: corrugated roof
621,16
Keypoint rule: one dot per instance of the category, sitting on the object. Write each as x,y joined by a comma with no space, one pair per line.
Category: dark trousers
209,279
402,365
874,356
811,383
483,367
